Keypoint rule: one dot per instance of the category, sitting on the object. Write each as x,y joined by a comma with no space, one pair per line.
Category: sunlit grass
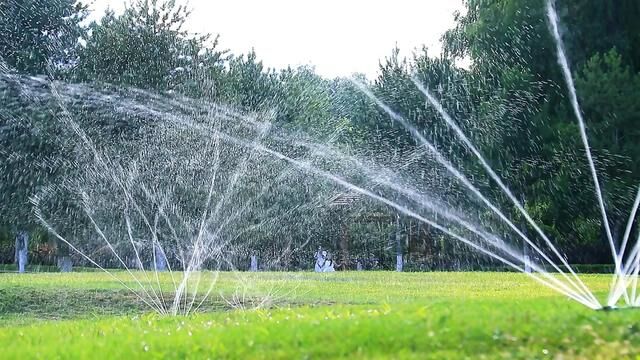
351,314
361,286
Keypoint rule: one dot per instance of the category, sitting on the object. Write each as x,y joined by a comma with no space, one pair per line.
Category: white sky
338,37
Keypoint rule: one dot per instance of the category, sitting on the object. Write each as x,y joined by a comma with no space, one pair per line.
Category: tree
507,42
608,92
147,47
32,154
304,103
248,85
40,36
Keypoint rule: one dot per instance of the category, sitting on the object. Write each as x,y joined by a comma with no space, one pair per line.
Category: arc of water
564,64
177,288
471,244
156,243
444,211
167,221
82,135
46,225
205,214
431,223
344,183
135,249
627,232
210,289
115,253
629,268
442,160
231,188
632,280
225,243
626,270
67,118
265,188
215,277
195,260
452,124
207,218
634,295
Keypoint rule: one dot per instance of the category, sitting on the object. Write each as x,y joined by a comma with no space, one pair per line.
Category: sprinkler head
616,308
609,308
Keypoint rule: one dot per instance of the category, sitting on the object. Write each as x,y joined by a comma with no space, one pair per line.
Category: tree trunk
63,258
525,245
22,247
160,260
344,245
254,263
409,235
399,260
527,259
65,264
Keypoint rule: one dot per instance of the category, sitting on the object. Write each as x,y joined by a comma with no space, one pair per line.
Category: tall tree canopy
148,47
40,35
511,101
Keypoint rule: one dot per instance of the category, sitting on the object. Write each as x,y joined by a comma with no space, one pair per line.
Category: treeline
511,100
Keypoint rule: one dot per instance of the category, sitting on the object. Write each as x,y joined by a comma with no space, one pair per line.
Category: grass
339,315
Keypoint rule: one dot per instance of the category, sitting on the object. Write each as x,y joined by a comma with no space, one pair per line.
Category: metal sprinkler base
616,308
608,308
619,308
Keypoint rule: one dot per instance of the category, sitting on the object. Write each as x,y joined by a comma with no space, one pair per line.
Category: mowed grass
315,316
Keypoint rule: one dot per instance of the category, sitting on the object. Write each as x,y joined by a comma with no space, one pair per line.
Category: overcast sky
338,37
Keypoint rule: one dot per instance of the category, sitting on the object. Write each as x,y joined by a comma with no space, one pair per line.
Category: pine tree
40,36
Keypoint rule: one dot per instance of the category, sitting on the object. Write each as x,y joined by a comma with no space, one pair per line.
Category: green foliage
305,102
511,102
40,36
147,47
30,152
516,82
608,92
247,84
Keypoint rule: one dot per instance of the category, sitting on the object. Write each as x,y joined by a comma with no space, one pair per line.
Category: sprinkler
608,308
615,308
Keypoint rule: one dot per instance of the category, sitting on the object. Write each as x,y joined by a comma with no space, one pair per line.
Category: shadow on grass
25,304
65,303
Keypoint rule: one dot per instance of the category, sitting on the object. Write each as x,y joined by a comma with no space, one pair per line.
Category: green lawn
316,316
